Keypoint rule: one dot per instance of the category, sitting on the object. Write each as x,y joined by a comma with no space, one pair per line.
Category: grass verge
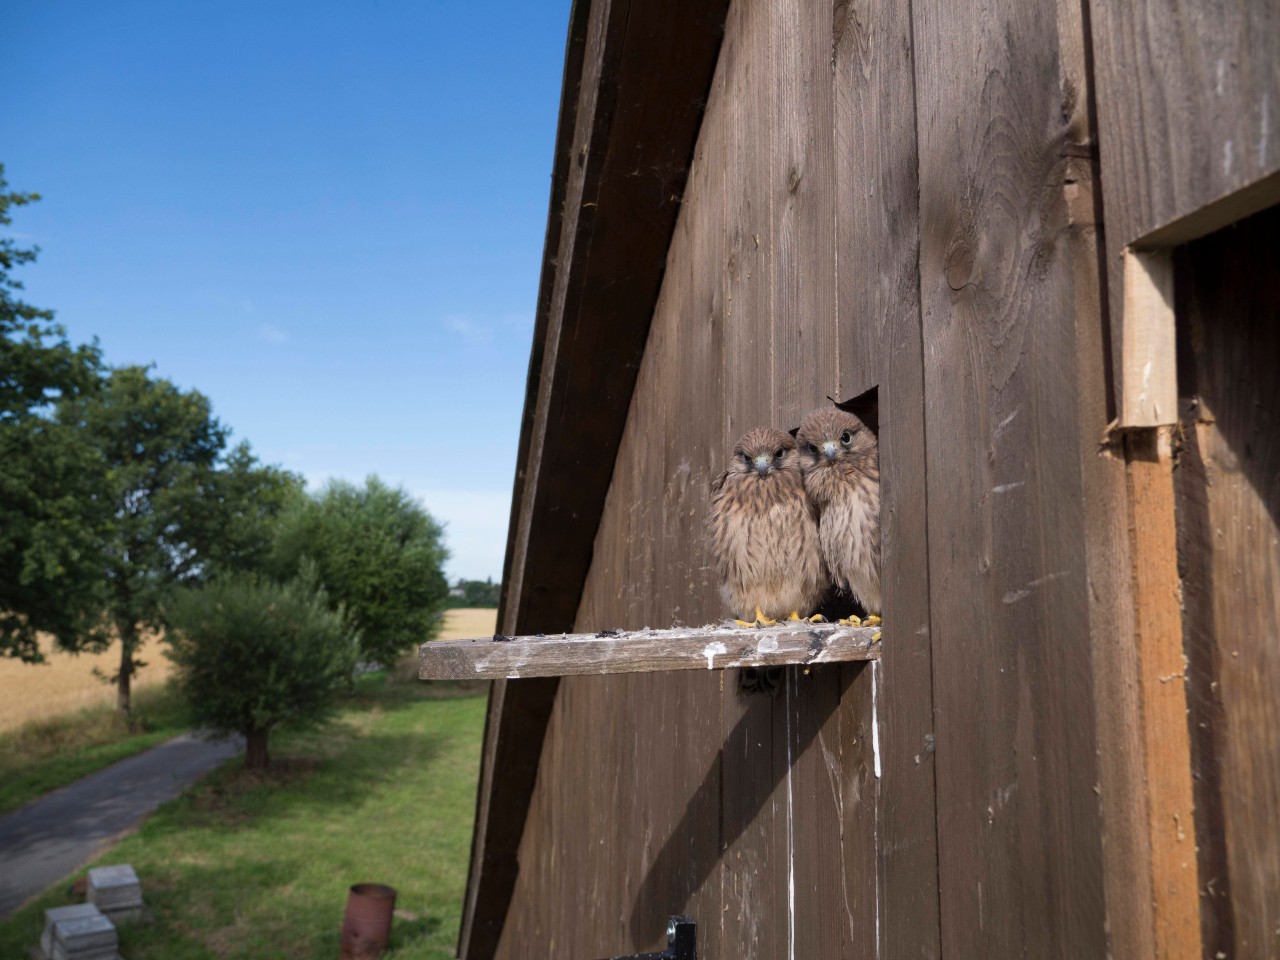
247,866
46,754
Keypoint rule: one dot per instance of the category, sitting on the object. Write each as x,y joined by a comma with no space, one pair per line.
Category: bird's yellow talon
877,634
745,623
851,621
872,620
794,615
817,618
763,621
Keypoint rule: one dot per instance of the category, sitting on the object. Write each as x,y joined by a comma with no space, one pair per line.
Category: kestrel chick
840,460
764,531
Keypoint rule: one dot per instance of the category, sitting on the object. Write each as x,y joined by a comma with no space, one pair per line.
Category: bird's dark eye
846,437
813,449
777,455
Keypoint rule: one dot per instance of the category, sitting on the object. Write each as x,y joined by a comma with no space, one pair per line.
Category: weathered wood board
646,651
1019,833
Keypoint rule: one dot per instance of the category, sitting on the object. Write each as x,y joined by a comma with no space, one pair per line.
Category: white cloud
476,530
470,329
484,329
272,334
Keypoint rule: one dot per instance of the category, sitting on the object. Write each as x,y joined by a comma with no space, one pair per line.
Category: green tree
51,513
252,654
378,553
181,510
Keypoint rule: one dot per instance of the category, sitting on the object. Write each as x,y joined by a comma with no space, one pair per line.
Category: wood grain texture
1229,554
1188,96
1020,867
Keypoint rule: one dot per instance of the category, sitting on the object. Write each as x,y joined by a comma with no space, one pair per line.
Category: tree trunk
123,701
256,756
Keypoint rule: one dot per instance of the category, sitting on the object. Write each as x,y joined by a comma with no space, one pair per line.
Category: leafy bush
379,554
252,654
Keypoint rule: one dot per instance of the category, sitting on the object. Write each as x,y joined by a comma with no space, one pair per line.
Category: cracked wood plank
710,647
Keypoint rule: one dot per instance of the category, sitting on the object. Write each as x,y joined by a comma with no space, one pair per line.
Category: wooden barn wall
869,179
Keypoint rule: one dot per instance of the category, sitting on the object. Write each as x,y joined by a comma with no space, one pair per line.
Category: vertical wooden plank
1148,378
1229,552
754,840
878,304
809,712
1161,678
1019,834
802,186
749,334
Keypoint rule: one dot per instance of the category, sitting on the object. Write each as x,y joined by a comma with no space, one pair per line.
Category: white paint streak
767,645
1000,427
1006,487
875,751
1014,596
1049,578
791,838
713,650
1228,156
1222,76
875,718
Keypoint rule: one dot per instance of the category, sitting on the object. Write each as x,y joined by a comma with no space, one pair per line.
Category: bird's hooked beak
829,449
763,464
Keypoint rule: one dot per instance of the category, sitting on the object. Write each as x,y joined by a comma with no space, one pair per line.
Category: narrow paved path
48,839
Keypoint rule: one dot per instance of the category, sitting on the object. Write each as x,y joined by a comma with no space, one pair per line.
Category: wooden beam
646,651
1149,378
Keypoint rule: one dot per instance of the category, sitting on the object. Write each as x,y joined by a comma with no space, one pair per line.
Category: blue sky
328,217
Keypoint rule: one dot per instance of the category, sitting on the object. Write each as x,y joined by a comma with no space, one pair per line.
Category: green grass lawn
48,754
246,866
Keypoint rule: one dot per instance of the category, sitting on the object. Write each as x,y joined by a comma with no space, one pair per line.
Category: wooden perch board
712,647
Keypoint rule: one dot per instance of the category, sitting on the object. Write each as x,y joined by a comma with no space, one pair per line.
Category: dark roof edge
636,80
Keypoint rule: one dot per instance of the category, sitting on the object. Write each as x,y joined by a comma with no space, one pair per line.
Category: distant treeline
474,593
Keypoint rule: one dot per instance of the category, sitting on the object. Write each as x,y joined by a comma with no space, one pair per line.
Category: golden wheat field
467,623
66,682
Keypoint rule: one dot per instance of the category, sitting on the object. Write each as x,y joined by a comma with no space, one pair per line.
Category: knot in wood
959,266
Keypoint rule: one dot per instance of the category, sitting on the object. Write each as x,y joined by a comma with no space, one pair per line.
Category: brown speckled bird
840,461
764,532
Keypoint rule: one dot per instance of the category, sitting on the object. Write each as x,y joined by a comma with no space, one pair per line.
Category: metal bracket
682,942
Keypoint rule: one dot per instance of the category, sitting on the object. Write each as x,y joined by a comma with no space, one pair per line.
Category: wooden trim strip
646,651
1149,380
1163,694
